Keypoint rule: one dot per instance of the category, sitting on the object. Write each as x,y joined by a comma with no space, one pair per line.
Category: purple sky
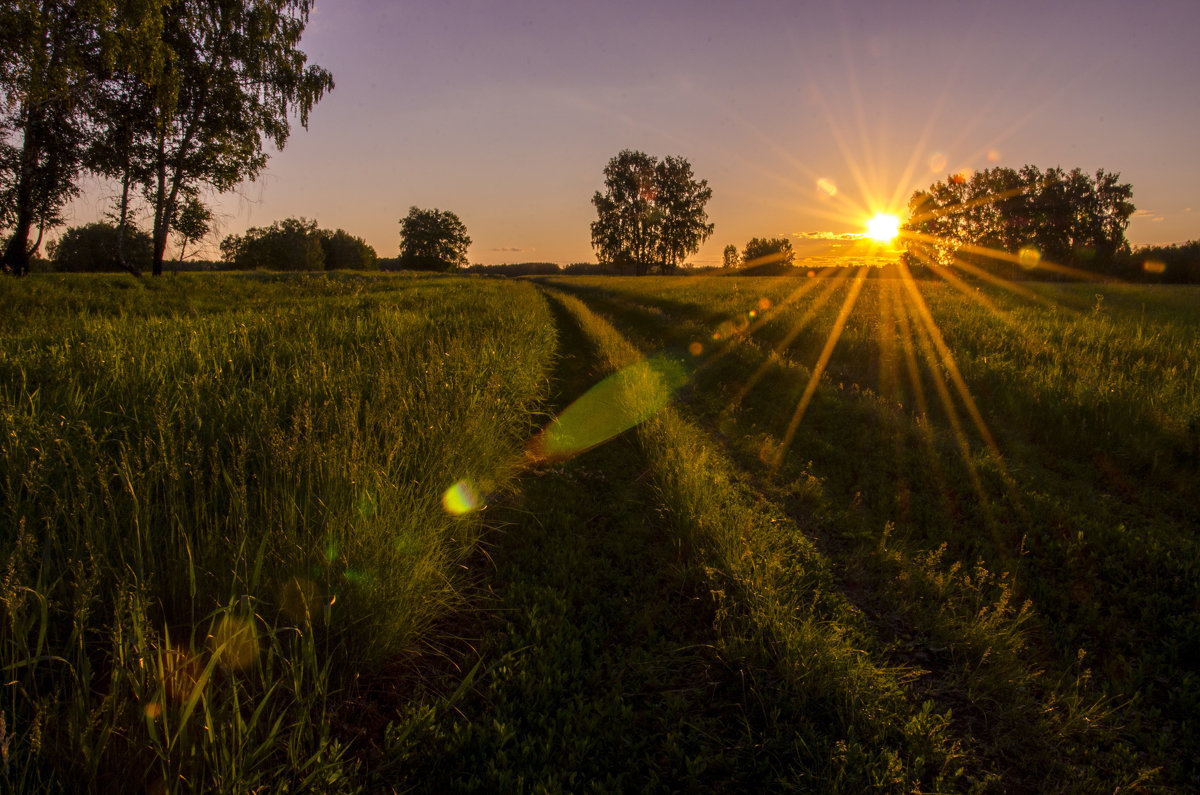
507,112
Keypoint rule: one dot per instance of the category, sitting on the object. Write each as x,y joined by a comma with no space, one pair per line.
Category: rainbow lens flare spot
461,498
235,643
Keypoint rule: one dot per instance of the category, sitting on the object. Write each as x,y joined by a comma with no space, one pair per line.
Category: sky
804,117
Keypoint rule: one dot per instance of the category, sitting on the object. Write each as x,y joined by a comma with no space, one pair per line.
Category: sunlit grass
225,496
944,527
774,598
1028,418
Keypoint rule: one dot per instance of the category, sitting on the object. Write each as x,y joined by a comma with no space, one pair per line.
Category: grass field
836,533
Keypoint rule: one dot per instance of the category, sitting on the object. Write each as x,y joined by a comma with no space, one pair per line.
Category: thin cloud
828,235
511,250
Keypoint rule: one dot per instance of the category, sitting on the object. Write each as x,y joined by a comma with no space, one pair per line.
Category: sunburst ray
831,341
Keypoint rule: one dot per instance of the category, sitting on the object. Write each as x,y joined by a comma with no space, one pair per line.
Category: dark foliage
293,244
650,214
764,251
1026,223
94,248
297,244
344,251
433,240
518,269
1178,263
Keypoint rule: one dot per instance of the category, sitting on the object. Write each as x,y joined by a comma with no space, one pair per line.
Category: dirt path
598,649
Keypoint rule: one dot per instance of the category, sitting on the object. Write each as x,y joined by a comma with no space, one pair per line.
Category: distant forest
1168,264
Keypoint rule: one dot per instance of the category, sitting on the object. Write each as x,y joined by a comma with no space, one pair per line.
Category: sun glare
883,228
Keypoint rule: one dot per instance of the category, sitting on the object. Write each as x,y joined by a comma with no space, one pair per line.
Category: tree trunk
124,219
164,204
160,207
16,253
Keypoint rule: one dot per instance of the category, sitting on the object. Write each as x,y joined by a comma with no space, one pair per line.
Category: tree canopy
171,97
651,213
1026,217
730,258
761,251
297,244
192,223
236,78
344,251
100,247
433,240
50,56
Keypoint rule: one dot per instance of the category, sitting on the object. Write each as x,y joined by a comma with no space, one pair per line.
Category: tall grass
1042,587
222,500
776,602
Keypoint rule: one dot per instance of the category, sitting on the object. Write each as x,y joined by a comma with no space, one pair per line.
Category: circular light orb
461,498
883,228
1029,257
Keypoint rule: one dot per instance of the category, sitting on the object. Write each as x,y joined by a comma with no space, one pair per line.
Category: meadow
840,532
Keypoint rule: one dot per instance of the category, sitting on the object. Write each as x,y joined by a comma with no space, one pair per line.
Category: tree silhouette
49,55
650,213
234,78
291,244
95,248
768,251
1069,218
731,258
433,240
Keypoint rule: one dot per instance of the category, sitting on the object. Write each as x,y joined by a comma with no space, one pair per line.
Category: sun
883,228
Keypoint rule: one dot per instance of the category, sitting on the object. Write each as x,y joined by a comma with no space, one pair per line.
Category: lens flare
461,498
827,187
626,398
181,673
299,598
1029,257
235,643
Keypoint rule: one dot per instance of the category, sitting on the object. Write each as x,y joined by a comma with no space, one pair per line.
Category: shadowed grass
972,584
773,592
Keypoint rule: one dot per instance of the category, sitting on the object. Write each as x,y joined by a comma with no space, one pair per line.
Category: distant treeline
542,269
1042,225
1178,263
300,244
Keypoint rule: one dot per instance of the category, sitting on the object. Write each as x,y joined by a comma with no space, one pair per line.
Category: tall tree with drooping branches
233,78
50,55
